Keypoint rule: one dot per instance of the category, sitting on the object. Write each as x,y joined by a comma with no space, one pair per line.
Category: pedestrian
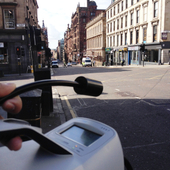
123,61
94,63
65,65
13,106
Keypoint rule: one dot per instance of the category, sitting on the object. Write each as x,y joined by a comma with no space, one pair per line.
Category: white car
54,64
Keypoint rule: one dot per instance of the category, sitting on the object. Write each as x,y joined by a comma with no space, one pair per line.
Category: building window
107,28
131,21
155,33
111,13
126,4
84,20
113,25
108,14
155,9
110,27
113,40
137,16
121,39
9,19
131,37
93,14
126,21
137,36
118,8
3,53
117,40
137,0
122,5
110,41
144,34
125,38
114,11
122,22
145,14
131,2
117,24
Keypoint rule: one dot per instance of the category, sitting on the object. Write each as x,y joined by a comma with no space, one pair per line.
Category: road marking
156,77
117,89
70,108
168,109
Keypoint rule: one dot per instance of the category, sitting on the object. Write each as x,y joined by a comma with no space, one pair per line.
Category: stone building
96,39
16,16
75,35
60,49
129,23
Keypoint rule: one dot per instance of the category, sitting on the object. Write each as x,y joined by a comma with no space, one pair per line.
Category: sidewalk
55,118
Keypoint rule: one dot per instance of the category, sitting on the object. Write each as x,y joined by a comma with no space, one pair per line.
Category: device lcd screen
81,135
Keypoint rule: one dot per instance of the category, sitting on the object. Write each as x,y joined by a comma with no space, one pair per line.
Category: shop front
134,55
152,54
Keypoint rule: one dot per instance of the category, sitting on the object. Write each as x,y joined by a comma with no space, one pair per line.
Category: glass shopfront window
3,53
151,56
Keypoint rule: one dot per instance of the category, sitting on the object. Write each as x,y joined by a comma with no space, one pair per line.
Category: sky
57,15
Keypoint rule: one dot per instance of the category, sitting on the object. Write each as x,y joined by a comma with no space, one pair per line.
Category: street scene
135,102
92,80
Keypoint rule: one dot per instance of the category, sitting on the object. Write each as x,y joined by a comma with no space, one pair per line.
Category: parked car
69,64
74,63
54,64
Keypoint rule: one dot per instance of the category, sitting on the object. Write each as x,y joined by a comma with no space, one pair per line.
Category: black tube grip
88,86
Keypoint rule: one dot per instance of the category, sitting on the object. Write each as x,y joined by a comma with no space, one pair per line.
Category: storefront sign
164,36
107,49
125,49
20,25
134,48
1,45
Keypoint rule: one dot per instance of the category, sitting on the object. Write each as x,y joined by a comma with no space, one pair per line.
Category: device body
91,145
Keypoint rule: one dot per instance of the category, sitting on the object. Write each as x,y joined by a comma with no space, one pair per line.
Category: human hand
14,106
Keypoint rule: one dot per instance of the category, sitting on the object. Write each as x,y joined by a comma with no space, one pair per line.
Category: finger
6,89
15,143
13,105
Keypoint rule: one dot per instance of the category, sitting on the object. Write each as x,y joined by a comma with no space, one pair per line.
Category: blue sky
57,15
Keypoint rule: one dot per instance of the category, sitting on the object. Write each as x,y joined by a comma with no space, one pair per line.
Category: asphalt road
135,102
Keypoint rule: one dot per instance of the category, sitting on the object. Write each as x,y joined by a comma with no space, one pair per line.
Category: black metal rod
38,84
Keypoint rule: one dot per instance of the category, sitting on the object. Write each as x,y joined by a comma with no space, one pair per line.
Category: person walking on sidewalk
123,61
65,65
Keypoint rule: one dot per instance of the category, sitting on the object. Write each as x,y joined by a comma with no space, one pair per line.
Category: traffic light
22,52
38,38
142,47
18,51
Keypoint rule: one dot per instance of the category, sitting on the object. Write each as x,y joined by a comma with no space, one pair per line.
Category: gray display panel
80,135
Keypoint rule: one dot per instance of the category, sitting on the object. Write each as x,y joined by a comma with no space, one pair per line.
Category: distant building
75,35
15,19
96,39
129,23
60,49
